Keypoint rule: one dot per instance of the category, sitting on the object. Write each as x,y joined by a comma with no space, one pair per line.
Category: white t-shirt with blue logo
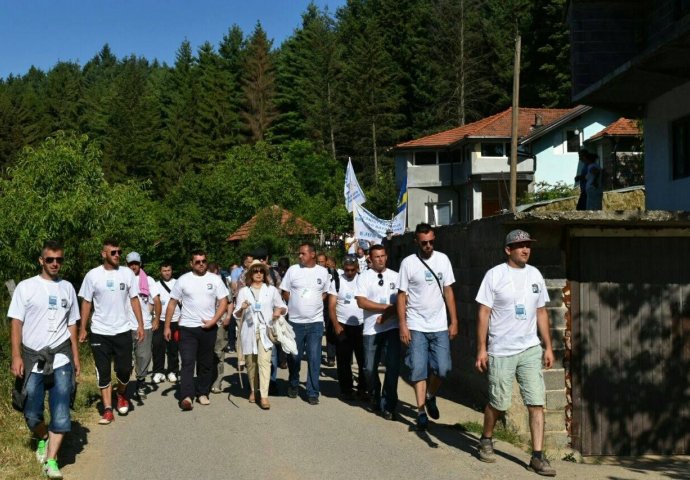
346,308
513,295
110,292
306,286
382,290
426,310
198,295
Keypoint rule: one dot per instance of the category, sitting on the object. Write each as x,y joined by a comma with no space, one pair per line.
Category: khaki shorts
527,368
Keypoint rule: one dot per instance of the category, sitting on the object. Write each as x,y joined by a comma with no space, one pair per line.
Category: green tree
258,86
63,97
58,191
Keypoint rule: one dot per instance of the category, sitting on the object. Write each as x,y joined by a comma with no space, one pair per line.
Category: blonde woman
258,304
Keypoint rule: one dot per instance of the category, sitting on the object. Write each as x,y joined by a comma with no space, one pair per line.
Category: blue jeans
59,393
374,346
308,337
428,352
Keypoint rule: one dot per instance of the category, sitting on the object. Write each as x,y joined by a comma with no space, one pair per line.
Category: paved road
294,440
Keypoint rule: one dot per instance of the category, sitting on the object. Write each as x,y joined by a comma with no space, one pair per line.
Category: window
444,157
493,150
425,158
439,213
680,137
572,141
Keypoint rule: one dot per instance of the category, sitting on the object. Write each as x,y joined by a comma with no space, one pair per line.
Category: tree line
193,136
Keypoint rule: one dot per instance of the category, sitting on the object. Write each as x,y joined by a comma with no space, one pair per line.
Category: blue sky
43,32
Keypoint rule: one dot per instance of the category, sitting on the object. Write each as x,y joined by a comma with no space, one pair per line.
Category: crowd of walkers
177,330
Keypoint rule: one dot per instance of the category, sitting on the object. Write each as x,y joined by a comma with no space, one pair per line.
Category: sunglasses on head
424,243
200,262
380,279
115,253
59,260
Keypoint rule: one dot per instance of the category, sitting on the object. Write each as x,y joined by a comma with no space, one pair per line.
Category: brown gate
630,345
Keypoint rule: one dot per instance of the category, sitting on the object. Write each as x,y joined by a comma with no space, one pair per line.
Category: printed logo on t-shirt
209,286
535,288
110,283
428,277
122,286
392,285
63,302
318,280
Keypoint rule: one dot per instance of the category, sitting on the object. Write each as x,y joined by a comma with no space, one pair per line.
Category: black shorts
108,348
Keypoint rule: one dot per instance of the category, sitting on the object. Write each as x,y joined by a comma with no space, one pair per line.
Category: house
288,222
619,149
633,57
463,174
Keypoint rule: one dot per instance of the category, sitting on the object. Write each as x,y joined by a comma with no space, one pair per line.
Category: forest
172,157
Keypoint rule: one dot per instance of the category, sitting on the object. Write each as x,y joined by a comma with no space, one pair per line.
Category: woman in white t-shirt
258,304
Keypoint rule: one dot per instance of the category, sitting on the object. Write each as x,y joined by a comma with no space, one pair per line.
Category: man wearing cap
112,291
149,301
347,321
512,299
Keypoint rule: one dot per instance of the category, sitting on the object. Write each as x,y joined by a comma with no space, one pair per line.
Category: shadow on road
73,444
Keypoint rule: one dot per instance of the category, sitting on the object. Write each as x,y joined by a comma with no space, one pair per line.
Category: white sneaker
158,378
172,378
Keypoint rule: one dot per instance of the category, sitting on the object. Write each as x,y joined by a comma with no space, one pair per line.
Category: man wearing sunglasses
425,293
204,299
111,291
376,293
44,313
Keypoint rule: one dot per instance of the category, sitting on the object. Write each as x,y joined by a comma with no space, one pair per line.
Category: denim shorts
526,366
428,352
59,393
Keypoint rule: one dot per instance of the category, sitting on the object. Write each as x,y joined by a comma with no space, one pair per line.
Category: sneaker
203,400
388,415
107,417
122,404
431,408
42,451
313,400
486,450
158,378
292,392
186,404
330,363
422,422
172,378
51,470
141,390
216,390
542,467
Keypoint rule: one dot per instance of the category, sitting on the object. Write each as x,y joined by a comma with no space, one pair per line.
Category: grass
17,460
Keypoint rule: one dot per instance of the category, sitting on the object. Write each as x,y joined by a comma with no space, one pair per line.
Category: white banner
352,191
370,227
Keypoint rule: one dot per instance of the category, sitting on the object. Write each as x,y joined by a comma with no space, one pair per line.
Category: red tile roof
623,127
498,125
296,225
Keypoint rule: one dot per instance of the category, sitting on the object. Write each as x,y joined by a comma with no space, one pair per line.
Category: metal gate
630,320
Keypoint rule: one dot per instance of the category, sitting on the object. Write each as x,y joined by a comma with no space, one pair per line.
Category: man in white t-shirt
425,293
377,290
347,320
162,349
512,308
150,304
304,290
44,312
112,291
204,299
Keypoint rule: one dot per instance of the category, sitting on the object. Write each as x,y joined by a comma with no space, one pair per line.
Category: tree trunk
376,160
330,122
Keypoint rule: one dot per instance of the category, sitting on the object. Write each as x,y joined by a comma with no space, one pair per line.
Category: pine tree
232,51
63,96
258,86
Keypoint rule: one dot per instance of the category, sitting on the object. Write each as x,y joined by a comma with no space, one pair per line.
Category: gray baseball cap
518,236
133,257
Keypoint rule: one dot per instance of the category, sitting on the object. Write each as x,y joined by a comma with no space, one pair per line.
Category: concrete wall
417,199
663,192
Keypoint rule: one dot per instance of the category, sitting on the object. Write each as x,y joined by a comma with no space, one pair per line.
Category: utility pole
514,130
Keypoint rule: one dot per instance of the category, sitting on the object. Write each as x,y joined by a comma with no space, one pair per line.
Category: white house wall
662,191
554,162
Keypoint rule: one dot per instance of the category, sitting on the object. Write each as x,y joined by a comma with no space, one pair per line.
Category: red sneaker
186,404
122,404
107,417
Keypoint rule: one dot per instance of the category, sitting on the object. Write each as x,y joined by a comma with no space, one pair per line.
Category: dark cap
518,236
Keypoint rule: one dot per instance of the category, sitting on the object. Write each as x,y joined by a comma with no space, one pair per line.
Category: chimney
538,121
